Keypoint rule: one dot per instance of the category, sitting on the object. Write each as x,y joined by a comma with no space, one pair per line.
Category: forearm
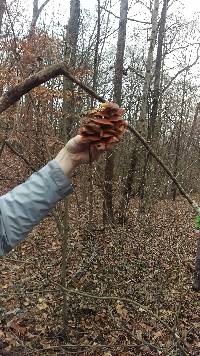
27,204
66,163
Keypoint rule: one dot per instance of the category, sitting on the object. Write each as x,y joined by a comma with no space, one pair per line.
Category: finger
109,147
79,139
100,146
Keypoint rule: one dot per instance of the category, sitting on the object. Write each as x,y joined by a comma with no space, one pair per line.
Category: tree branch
42,6
41,77
36,13
20,155
128,18
14,94
181,71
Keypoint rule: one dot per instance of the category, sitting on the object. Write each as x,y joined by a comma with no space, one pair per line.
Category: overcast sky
59,8
191,6
58,11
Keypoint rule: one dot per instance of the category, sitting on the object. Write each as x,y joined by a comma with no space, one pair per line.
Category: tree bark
36,13
143,112
96,52
68,115
12,95
155,102
117,96
196,281
94,87
2,11
178,140
148,73
127,189
158,66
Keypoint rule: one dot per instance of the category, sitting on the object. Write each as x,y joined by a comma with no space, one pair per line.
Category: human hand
76,152
82,152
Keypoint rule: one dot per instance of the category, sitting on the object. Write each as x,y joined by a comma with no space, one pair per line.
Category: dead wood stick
139,307
12,95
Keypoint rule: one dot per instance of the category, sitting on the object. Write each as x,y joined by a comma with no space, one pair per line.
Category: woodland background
109,271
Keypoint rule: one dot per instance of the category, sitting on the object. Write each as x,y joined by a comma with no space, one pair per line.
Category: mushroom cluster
103,125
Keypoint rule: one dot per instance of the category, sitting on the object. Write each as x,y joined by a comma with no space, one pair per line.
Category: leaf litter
149,260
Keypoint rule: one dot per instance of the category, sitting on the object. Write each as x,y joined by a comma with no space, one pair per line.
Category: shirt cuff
63,183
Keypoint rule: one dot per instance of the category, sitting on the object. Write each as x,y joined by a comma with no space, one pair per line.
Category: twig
141,308
20,155
139,341
39,291
182,70
18,261
128,18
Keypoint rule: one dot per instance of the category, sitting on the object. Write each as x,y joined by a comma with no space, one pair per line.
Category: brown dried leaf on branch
103,125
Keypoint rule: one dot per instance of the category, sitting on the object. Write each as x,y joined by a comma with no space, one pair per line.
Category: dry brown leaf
121,310
19,330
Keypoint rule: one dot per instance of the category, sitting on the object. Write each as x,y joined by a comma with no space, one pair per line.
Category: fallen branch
24,291
139,307
14,94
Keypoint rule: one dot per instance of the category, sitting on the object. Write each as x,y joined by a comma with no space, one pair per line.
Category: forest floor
146,266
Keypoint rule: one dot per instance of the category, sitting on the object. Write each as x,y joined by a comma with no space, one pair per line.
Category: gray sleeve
24,207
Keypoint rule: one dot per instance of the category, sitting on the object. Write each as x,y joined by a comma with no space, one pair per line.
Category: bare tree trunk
96,52
36,13
194,125
178,141
2,11
155,99
119,62
127,189
70,57
148,73
143,112
109,167
64,254
196,282
94,87
68,113
158,66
